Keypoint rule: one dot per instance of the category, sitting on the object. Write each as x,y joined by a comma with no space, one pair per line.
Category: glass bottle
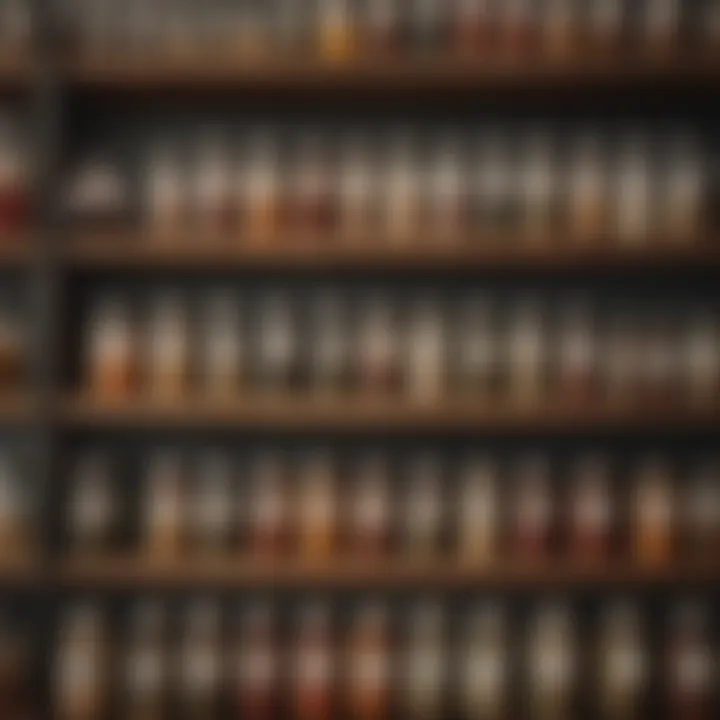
313,665
211,192
312,189
212,507
591,511
369,532
168,345
532,510
385,27
223,351
277,344
552,665
402,191
576,370
13,360
587,189
14,180
495,187
261,189
447,204
423,509
428,23
424,663
478,515
330,356
145,670
517,26
14,669
701,515
474,26
634,199
14,511
166,193
653,513
622,669
485,664
93,506
527,353
476,348
538,187
661,25
269,531
701,357
200,666
377,350
606,22
682,204
111,350
621,359
81,665
358,184
16,24
255,672
369,664
560,27
338,30
317,508
164,510
425,351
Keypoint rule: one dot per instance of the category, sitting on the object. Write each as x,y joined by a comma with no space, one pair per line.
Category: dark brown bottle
653,512
532,511
701,516
14,680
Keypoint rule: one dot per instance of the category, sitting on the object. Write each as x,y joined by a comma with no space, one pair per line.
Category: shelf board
298,413
123,572
582,70
136,253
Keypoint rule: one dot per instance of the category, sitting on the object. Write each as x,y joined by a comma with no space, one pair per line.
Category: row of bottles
425,347
340,30
316,508
15,180
407,187
375,662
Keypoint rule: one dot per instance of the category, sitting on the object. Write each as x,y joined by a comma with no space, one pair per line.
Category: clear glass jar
653,513
317,519
425,358
168,342
423,509
478,512
164,511
223,347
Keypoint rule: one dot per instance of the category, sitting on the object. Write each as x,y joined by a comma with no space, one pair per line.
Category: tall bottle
223,352
425,359
212,505
212,191
653,512
317,508
260,188
576,372
268,524
423,522
402,191
478,512
166,193
337,29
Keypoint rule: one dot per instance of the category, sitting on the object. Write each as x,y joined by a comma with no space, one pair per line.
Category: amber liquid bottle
317,503
654,514
268,522
369,510
478,513
474,27
14,679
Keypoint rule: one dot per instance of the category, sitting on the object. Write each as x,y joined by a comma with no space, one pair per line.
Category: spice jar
313,665
485,664
93,506
425,351
212,191
701,357
222,348
13,361
317,508
212,515
576,371
701,515
659,356
402,193
591,512
423,509
329,363
277,344
606,24
634,200
660,23
428,25
164,510
710,24
621,359
478,512
653,514
111,350
424,679
538,180
166,193
96,194
255,671
168,348
14,180
369,664
337,30
691,668
312,200
261,189
14,666
446,207
15,25
517,26
559,26
532,510
357,189
586,191
474,26
200,667
14,511
526,353
268,521
293,28
81,666
495,187
552,666
682,204
622,664
145,669
369,531
377,349
475,349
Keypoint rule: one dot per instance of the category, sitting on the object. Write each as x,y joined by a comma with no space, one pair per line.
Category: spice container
701,515
166,193
423,509
93,506
329,362
14,180
277,344
552,666
700,358
164,512
81,674
495,187
622,664
145,671
591,513
428,25
682,201
260,189
212,505
111,351
212,199
538,180
485,665
357,189
586,190
369,657
478,512
370,508
223,352
661,25
634,199
14,666
200,665
312,200
576,353
527,353
255,670
559,27
447,206
425,351
168,348
475,349
532,511
402,191
653,514
268,521
317,508
474,26
691,668
377,347
423,668
14,511
337,30
313,665
13,361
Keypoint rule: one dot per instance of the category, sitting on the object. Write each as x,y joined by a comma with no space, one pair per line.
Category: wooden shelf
391,73
127,252
124,572
300,413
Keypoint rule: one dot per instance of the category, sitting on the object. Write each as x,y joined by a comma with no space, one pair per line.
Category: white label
277,341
